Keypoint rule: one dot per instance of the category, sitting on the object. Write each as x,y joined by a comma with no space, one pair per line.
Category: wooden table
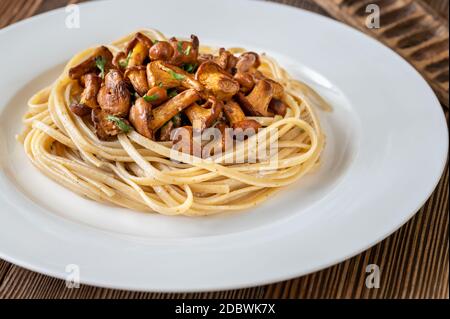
414,261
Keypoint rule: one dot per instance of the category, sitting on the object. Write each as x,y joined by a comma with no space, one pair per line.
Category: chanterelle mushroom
257,102
206,114
248,61
140,116
138,78
237,118
114,97
101,58
88,101
218,82
137,50
226,60
167,76
168,110
184,52
107,126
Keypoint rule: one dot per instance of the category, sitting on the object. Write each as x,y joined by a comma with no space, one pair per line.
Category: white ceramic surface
386,149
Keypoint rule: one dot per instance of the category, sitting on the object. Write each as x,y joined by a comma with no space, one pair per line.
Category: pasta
144,174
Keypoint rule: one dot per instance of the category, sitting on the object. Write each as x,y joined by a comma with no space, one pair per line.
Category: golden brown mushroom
167,76
184,52
246,81
168,110
140,116
138,78
162,50
205,115
216,81
166,129
248,61
156,96
88,101
278,90
138,50
226,60
257,102
114,97
278,107
107,126
91,65
236,117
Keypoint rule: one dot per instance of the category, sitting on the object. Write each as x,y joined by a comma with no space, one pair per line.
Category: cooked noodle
141,174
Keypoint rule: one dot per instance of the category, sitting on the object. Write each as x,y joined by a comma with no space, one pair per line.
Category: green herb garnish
124,63
172,93
176,76
161,84
121,124
100,62
188,50
180,47
190,68
151,98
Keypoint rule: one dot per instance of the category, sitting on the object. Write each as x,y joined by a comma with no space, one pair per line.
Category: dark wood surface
414,261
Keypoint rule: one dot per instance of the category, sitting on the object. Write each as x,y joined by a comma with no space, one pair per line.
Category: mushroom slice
218,82
168,110
90,65
107,126
91,83
205,115
248,61
138,49
114,97
257,102
184,52
138,78
167,76
226,60
140,116
278,107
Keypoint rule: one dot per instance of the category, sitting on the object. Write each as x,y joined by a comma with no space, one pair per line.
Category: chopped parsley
190,68
100,62
172,93
151,98
125,62
180,47
176,76
121,124
188,50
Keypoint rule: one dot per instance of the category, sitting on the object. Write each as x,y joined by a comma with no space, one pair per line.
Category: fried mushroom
140,116
88,101
107,126
163,113
91,64
216,81
137,75
184,52
257,102
237,118
167,76
205,115
114,97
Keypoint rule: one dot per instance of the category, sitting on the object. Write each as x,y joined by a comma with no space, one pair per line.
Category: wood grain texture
414,261
411,28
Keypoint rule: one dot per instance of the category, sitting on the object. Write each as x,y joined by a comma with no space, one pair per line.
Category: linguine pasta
141,174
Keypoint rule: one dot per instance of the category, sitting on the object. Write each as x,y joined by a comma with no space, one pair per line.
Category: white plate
386,149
